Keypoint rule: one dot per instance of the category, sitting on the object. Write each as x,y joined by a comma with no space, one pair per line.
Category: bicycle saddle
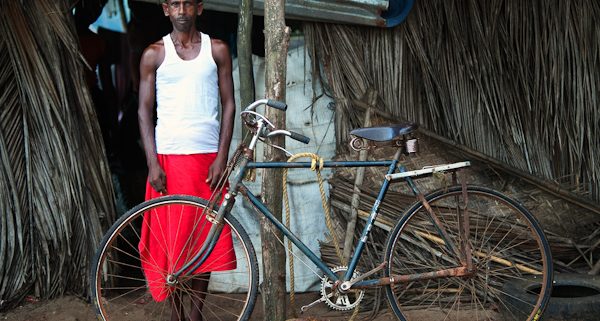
385,133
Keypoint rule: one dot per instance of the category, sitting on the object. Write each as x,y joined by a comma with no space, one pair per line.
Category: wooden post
244,51
274,273
245,66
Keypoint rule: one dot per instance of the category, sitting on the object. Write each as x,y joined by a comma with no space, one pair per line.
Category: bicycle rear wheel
506,243
120,289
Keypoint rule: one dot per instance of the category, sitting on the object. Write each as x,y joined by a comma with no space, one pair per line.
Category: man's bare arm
151,59
222,58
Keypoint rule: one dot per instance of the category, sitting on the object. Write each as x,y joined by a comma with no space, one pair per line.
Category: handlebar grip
299,137
277,104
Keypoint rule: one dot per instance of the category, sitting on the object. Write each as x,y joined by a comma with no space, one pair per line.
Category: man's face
182,13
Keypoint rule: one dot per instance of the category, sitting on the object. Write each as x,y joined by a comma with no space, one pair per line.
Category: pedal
310,305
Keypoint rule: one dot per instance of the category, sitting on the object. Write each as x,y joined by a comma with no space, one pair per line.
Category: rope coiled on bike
316,166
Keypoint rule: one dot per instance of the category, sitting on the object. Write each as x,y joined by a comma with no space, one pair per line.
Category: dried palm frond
517,81
55,187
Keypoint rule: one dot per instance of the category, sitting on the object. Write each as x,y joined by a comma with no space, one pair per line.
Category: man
185,73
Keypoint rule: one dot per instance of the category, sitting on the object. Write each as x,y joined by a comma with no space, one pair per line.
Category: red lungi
172,238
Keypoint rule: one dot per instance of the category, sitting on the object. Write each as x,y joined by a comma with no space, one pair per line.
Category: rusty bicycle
452,251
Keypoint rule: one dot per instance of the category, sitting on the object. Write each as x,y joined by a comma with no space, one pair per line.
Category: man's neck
185,38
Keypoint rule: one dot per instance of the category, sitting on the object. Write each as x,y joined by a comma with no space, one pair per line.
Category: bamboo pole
358,181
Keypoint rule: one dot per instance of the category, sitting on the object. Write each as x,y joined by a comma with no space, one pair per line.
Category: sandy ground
69,308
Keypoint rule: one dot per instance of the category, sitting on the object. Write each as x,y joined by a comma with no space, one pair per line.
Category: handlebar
249,112
277,104
299,137
269,102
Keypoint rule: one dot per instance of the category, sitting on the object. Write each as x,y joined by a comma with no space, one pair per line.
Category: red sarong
169,240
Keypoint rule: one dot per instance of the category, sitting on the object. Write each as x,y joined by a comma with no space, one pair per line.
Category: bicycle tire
119,289
506,243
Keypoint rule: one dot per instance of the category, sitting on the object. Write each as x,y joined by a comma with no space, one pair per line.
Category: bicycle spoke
121,283
504,247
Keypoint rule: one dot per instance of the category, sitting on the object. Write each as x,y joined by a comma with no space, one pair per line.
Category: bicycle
452,251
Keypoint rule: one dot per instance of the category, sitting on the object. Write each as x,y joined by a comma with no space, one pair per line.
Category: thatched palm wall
516,80
54,181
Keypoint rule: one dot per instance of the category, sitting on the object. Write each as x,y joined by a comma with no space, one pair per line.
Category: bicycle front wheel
128,276
507,244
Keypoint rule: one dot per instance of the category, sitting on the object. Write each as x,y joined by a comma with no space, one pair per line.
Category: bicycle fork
216,220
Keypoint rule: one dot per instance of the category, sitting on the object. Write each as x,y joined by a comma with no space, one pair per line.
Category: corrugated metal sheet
381,13
364,12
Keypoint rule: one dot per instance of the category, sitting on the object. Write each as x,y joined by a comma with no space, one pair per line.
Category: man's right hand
157,179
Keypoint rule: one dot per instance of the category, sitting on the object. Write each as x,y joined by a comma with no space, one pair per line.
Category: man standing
185,73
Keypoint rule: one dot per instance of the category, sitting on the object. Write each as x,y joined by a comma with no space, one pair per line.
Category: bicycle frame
260,207
391,164
238,187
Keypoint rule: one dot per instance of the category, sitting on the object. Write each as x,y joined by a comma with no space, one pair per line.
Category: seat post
398,153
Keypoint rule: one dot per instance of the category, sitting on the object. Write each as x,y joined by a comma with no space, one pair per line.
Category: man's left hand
215,171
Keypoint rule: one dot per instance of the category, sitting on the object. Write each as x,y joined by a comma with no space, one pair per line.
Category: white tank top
187,102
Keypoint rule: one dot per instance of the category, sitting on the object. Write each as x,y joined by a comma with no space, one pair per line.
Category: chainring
340,301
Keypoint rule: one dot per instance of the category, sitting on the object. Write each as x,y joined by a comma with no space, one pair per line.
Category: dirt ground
70,308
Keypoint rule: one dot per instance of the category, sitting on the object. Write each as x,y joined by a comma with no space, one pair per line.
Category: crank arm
310,305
